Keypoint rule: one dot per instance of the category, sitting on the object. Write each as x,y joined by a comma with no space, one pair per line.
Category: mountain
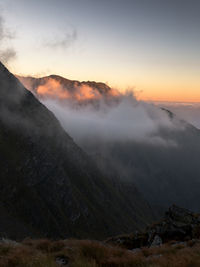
165,173
48,185
57,87
32,83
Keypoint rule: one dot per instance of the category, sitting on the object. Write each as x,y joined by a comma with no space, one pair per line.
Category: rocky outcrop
178,225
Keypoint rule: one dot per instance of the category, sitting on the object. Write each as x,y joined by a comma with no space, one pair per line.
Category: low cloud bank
124,119
94,113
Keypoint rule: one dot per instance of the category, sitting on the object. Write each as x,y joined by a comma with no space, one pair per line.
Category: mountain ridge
33,83
49,185
165,172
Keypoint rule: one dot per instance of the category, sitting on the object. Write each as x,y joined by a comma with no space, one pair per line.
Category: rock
9,242
157,241
154,256
179,215
178,224
179,244
130,241
62,260
136,250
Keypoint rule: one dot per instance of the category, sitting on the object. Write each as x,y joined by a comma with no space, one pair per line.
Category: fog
123,120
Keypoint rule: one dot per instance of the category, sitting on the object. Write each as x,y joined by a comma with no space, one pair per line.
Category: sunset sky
151,46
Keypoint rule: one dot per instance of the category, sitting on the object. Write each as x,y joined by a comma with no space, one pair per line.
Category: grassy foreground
85,253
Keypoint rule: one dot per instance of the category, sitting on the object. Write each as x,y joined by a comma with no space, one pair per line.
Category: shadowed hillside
49,186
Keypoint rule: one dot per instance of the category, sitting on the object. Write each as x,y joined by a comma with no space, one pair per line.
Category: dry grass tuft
85,253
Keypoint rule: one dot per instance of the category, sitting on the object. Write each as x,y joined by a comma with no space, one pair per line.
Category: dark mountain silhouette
48,185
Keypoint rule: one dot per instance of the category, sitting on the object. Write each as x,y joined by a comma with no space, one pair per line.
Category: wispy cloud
64,41
6,53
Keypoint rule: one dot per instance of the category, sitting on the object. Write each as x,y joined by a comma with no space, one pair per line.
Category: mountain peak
57,87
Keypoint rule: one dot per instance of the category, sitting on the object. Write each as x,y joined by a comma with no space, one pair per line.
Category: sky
149,46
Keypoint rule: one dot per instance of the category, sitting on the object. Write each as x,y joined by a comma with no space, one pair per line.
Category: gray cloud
6,54
64,41
128,120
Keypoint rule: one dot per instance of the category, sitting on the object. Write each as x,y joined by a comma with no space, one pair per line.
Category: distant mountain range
48,185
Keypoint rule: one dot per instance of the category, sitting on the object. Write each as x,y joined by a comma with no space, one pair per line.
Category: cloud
65,41
95,113
6,54
125,120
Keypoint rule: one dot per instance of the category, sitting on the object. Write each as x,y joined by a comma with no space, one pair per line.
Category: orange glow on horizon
182,98
151,89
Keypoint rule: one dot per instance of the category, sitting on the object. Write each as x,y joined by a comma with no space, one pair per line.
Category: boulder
157,241
178,224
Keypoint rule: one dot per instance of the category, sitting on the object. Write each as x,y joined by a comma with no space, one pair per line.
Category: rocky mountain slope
48,185
164,174
178,225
